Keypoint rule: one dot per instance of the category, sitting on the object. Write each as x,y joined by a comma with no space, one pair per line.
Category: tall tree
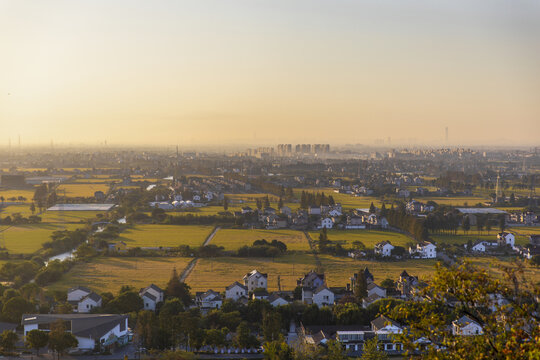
360,286
280,203
36,339
371,351
60,340
372,209
466,225
178,289
8,339
225,203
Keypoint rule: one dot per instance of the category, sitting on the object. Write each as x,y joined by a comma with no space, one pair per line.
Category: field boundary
313,250
189,268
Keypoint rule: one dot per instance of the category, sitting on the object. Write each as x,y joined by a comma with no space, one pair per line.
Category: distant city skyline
252,72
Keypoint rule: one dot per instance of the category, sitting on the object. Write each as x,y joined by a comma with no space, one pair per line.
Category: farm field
531,273
110,273
26,193
347,201
218,273
27,239
81,190
455,201
368,237
23,209
462,237
525,230
165,235
68,216
338,270
232,239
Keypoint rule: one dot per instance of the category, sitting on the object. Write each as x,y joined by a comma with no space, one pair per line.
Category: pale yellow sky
251,71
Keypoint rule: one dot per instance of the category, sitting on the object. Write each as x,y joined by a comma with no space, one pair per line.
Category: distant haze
251,71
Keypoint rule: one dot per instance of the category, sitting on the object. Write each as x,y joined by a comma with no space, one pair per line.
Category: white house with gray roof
236,291
87,303
89,329
151,296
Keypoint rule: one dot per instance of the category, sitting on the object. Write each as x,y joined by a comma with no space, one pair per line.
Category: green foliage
510,330
36,339
178,289
14,308
8,339
278,350
371,351
60,340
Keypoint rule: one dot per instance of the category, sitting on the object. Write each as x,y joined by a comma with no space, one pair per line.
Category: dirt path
189,268
314,251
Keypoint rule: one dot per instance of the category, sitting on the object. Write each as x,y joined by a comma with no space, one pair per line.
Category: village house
277,300
505,238
260,294
285,210
423,250
311,280
355,222
383,248
151,296
247,210
235,291
314,210
466,326
407,284
82,299
90,330
326,223
478,246
323,296
208,300
255,280
373,289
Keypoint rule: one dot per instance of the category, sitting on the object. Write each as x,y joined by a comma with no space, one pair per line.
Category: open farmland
232,239
368,237
110,273
493,264
347,201
23,209
27,239
462,238
455,201
81,190
217,273
68,216
165,235
338,270
28,194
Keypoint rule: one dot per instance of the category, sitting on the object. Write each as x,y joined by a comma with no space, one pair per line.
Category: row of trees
308,199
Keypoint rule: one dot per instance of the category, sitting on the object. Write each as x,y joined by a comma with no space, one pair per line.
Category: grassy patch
455,201
27,239
338,270
166,235
109,274
232,239
368,237
23,209
81,190
217,273
27,193
347,201
68,216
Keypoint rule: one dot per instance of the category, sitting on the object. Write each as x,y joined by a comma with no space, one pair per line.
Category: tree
125,302
15,307
466,225
502,223
388,283
33,208
360,286
371,351
60,340
266,201
8,339
278,350
271,326
336,351
225,203
36,339
372,209
178,289
358,245
510,330
280,203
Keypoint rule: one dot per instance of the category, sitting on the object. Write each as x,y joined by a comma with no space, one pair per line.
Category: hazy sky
250,71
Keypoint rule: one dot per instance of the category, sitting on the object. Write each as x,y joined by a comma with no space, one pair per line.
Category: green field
110,273
455,201
217,273
462,238
81,190
232,239
368,237
27,239
347,201
338,270
23,209
68,216
493,265
525,230
165,235
27,193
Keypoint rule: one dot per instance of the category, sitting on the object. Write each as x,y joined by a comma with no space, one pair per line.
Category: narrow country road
189,268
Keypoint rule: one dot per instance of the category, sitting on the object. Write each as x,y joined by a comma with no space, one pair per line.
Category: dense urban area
292,251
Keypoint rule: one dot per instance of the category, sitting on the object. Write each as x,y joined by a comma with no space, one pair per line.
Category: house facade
255,280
